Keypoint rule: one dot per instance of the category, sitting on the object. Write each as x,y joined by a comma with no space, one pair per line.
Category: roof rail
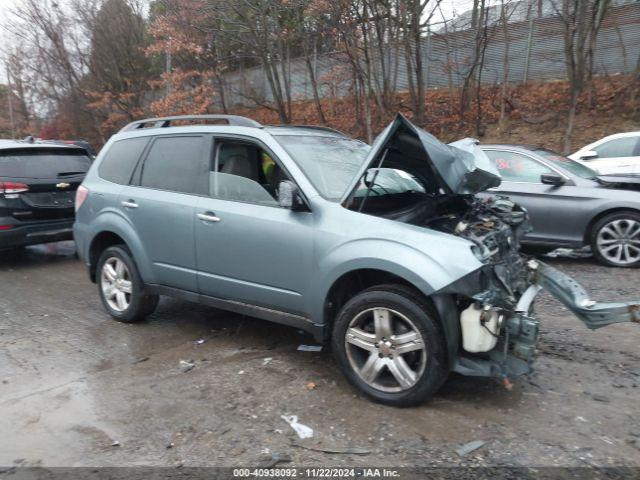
162,122
312,127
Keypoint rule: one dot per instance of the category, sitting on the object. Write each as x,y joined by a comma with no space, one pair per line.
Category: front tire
121,288
615,239
389,345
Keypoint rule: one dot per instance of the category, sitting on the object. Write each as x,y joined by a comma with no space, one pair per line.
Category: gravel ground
78,389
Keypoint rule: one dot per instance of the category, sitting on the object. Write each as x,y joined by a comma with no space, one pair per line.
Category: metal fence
532,49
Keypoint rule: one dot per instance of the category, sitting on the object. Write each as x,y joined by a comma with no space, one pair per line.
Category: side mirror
288,196
551,179
588,155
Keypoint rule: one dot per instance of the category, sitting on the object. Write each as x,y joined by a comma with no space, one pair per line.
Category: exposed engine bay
494,225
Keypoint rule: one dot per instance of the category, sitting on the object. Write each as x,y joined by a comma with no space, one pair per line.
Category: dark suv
38,183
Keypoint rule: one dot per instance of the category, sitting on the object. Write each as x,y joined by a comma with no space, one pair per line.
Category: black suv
38,183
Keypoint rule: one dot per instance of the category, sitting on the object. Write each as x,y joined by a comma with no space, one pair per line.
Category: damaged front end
498,328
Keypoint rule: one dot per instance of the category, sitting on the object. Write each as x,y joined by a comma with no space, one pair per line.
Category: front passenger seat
236,160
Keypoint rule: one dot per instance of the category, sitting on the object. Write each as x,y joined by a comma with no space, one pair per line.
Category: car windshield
330,163
570,165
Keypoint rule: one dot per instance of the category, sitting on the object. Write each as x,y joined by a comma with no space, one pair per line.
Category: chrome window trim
536,159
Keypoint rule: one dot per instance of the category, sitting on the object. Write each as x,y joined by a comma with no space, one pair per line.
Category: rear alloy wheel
120,286
389,345
615,239
116,284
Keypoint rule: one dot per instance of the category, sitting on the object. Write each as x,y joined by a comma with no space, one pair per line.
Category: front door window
515,167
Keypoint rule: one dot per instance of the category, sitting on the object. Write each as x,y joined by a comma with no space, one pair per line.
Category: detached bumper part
575,298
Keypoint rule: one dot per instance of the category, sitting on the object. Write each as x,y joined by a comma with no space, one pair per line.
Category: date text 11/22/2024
315,473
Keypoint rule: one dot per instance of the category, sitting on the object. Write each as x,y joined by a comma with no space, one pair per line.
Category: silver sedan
571,205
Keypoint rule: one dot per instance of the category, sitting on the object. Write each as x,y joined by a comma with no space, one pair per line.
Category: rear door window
177,164
43,162
119,162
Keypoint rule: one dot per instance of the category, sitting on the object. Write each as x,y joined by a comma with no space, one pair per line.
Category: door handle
208,217
129,204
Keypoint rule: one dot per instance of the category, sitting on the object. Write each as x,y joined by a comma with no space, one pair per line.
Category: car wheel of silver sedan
616,239
388,343
120,286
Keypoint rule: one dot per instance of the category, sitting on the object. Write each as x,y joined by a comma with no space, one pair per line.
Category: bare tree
581,22
415,17
54,41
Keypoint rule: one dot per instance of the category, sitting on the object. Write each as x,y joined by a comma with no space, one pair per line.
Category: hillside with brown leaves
536,113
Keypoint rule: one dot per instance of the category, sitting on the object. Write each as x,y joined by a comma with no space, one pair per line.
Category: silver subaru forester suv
383,251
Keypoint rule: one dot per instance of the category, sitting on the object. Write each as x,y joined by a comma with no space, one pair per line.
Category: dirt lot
73,383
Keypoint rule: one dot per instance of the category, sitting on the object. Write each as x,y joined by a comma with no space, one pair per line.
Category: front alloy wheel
388,343
616,240
386,349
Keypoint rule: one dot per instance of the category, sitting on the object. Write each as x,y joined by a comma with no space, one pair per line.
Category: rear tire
389,345
615,239
121,288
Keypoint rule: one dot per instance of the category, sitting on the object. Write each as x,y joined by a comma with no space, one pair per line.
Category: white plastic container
477,337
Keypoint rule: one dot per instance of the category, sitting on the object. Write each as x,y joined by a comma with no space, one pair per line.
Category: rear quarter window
120,160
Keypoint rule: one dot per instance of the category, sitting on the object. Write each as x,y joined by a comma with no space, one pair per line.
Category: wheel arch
110,229
99,244
355,281
601,215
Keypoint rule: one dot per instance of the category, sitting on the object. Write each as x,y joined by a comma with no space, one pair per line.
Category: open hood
459,168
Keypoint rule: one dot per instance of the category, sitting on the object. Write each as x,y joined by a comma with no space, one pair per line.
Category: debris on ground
241,372
140,360
186,365
302,430
266,361
199,341
115,443
600,398
574,253
326,448
269,461
311,386
470,447
170,446
309,348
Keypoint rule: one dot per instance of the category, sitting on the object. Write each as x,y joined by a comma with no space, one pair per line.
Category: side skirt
263,313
